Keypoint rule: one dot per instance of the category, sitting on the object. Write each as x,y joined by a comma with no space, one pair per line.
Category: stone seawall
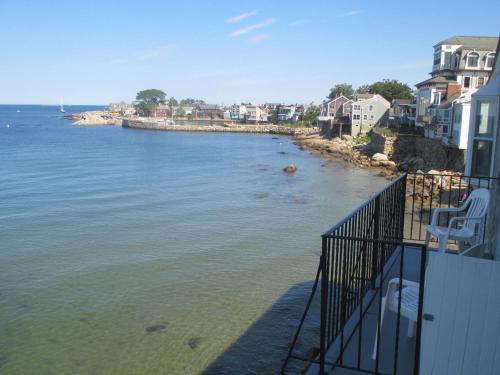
259,129
416,152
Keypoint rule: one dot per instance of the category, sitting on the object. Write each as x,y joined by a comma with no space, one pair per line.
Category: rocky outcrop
379,157
96,118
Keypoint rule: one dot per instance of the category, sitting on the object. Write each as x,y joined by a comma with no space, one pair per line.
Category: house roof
446,103
477,42
437,79
365,96
336,98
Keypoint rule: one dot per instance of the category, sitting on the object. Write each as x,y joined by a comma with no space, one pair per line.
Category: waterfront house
255,114
287,113
162,110
208,111
483,158
461,63
334,116
402,113
366,111
238,112
126,109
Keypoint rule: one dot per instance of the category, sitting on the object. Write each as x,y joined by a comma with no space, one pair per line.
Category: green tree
363,89
179,112
148,100
311,113
172,102
391,89
341,89
190,102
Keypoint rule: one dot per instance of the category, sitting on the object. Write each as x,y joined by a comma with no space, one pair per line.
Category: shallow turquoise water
143,252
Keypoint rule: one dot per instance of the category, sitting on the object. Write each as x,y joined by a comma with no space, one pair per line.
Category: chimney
452,89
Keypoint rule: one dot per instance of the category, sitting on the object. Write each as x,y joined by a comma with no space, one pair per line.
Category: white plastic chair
409,305
476,207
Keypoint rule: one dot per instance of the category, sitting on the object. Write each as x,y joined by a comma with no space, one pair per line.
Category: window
480,81
482,146
466,82
490,59
437,57
472,60
372,117
481,158
365,117
370,108
485,119
447,60
437,98
357,107
445,129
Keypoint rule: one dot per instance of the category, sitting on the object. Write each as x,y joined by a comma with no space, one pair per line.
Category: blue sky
96,52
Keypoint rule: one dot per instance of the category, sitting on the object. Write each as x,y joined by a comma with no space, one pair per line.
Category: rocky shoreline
345,149
366,156
95,118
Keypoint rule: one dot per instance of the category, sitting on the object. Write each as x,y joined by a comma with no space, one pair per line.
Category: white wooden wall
463,295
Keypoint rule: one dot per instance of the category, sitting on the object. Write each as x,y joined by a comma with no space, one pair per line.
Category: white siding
464,337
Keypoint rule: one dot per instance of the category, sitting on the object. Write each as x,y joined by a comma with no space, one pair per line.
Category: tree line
388,88
148,100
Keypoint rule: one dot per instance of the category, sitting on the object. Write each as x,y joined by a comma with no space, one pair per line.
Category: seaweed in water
194,342
261,195
156,328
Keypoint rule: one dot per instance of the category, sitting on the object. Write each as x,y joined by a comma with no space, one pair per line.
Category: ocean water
144,252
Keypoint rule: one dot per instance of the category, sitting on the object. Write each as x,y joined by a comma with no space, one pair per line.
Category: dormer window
490,60
472,60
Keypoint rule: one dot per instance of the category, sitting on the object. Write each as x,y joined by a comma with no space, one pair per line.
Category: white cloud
256,26
241,17
298,23
259,38
351,13
144,56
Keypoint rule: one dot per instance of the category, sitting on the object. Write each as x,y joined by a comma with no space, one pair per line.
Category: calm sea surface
143,252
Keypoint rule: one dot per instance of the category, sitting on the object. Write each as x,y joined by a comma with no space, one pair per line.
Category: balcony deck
406,350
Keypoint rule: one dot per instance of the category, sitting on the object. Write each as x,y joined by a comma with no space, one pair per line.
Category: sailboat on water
62,110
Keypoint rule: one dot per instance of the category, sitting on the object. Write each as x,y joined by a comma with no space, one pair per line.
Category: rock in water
194,342
156,328
290,168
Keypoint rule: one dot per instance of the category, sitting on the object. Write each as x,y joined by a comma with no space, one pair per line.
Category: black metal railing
358,257
428,191
349,268
360,328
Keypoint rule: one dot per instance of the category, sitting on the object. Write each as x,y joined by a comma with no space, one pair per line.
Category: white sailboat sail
62,106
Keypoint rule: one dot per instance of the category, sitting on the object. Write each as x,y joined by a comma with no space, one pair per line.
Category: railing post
324,304
418,337
376,236
402,201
